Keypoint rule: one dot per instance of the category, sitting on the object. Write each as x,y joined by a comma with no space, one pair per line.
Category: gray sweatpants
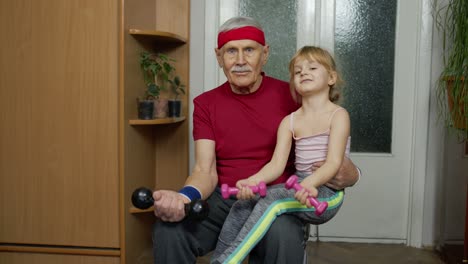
249,220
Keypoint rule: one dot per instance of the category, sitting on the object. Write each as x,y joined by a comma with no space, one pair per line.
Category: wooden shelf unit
155,152
156,35
134,210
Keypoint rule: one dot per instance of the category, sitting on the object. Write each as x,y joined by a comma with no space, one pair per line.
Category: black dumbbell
142,198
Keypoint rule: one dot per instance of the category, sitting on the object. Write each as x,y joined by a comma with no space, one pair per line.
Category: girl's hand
308,189
309,185
302,196
245,192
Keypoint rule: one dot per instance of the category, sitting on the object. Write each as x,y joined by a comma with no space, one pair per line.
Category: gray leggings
249,220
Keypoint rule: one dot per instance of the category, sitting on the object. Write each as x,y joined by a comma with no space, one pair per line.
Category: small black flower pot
174,108
145,109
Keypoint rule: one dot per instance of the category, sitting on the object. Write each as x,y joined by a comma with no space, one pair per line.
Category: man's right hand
169,205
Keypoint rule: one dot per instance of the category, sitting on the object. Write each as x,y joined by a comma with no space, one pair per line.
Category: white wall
433,192
197,56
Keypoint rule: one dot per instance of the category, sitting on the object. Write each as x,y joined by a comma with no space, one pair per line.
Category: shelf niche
155,153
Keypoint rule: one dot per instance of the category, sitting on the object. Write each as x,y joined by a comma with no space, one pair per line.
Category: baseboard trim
358,240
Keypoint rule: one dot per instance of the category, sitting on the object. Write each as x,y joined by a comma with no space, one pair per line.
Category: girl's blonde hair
321,56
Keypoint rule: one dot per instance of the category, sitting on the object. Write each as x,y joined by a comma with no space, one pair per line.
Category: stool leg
305,256
306,238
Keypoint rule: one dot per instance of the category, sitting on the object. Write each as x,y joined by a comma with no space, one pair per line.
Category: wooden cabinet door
59,123
21,258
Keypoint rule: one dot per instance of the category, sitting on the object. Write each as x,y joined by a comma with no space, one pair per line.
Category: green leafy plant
157,70
177,87
452,88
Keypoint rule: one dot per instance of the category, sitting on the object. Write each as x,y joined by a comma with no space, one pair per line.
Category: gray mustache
240,69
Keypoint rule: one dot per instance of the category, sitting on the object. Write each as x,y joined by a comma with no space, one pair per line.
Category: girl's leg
238,214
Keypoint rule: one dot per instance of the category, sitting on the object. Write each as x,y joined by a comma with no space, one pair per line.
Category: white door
383,206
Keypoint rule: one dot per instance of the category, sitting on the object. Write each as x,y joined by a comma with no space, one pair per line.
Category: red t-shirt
243,126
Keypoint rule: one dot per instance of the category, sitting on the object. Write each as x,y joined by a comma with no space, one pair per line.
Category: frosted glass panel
364,50
279,20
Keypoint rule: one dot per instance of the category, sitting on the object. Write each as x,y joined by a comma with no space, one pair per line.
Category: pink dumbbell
320,207
227,191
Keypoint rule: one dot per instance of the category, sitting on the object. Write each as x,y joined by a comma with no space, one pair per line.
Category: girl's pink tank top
313,148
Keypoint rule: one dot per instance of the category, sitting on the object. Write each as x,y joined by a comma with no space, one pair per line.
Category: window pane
365,51
278,19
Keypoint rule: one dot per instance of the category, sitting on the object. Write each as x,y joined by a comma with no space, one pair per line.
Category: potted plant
157,69
175,104
452,90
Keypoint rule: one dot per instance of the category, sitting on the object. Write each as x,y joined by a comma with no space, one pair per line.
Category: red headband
248,32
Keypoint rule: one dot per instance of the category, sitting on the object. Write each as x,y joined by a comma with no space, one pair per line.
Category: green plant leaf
158,70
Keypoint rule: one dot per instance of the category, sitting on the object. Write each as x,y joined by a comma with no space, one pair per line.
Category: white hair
238,22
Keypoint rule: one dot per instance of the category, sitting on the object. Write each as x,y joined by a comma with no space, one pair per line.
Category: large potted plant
175,104
157,70
452,88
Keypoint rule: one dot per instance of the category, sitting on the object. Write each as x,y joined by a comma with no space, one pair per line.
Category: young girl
320,129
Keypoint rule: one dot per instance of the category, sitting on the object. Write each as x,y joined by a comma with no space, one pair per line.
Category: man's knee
282,244
286,228
167,235
171,244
